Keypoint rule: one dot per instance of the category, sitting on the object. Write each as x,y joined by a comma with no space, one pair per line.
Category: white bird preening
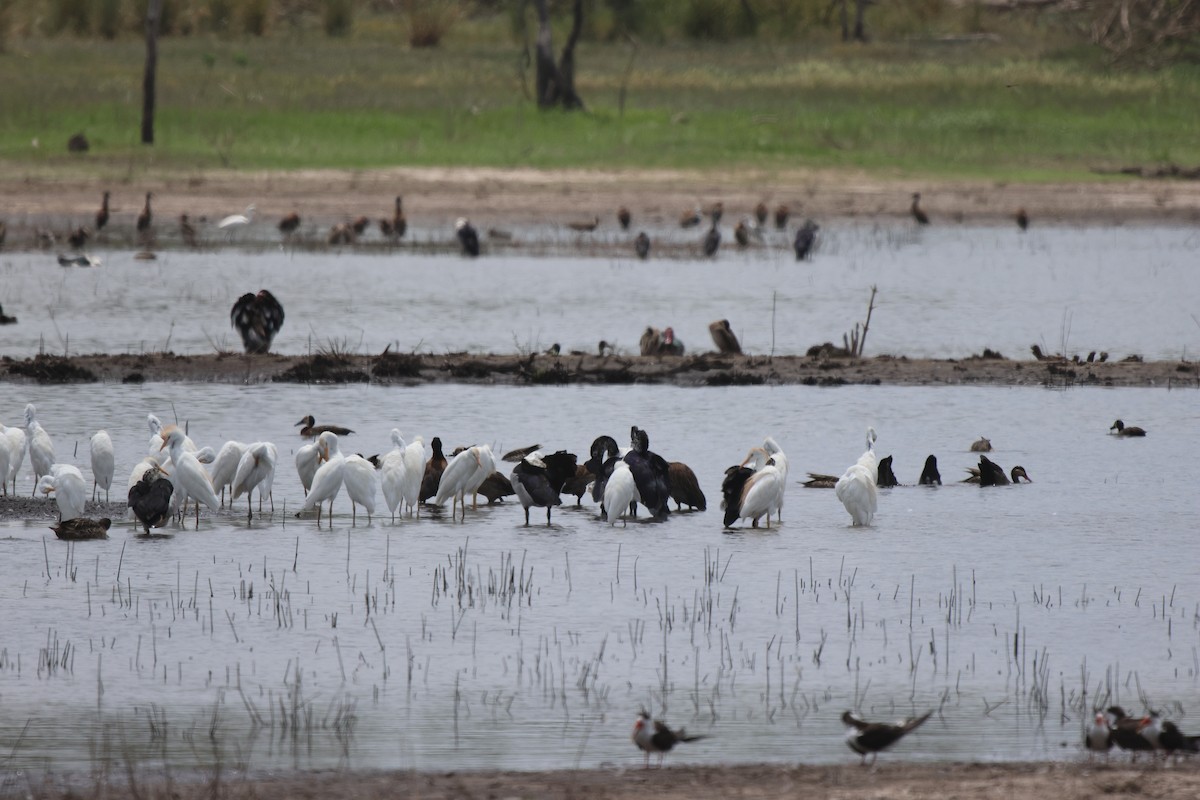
12,454
225,467
759,457
308,458
103,463
619,492
402,469
255,470
359,476
41,449
327,481
856,488
465,473
189,477
66,482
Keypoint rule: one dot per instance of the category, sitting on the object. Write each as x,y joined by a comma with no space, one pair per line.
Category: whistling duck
1022,219
712,241
146,217
782,212
641,245
685,489
690,218
806,237
624,217
360,225
289,224
920,216
741,234
258,317
761,213
723,337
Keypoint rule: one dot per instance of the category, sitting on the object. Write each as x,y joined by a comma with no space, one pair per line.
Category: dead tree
1146,30
152,15
556,82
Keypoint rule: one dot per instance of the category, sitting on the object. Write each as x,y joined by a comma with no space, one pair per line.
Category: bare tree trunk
152,16
566,64
845,19
860,10
556,82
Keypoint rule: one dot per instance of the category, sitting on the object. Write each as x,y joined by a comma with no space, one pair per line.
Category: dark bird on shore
651,474
989,473
806,237
3,232
584,226
741,234
690,218
341,233
605,349
761,213
81,528
102,214
930,475
78,237
981,445
624,217
1127,731
5,319
311,430
434,468
1022,219
1173,740
685,489
1098,737
150,498
1123,430
145,218
886,477
538,480
920,216
670,346
651,342
712,241
467,237
257,317
496,487
360,225
653,736
187,231
724,338
869,738
397,226
641,246
716,211
289,224
782,212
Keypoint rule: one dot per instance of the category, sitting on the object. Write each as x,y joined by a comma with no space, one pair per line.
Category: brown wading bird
761,213
289,224
624,217
102,214
871,737
341,233
724,338
653,736
690,218
1123,430
311,430
187,231
716,211
434,468
920,216
782,212
145,218
1022,219
397,226
685,489
641,245
258,317
78,237
360,225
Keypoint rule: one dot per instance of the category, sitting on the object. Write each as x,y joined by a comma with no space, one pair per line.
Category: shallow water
277,644
944,292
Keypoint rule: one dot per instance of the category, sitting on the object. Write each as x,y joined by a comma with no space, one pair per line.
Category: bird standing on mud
724,338
257,317
653,736
870,737
467,237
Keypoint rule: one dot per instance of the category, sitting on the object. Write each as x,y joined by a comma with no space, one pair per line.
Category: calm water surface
433,645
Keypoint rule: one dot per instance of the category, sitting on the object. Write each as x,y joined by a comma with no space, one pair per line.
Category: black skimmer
724,338
1123,430
920,216
650,474
806,237
1127,731
871,737
886,478
685,489
981,445
1173,740
467,237
641,246
150,498
1022,219
930,475
102,214
1098,737
258,317
311,430
653,736
80,528
624,217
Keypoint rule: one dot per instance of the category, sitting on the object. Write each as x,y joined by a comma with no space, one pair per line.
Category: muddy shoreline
542,369
1059,781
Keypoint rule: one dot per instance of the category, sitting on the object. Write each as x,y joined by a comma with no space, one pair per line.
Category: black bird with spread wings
870,737
257,317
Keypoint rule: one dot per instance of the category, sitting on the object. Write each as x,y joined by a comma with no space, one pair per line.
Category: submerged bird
929,474
886,478
1123,430
989,473
150,498
981,445
871,737
920,216
724,337
653,736
467,237
312,430
806,237
857,486
257,317
103,463
82,528
641,246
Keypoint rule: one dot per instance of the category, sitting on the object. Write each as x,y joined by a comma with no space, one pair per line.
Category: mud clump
323,369
396,365
51,369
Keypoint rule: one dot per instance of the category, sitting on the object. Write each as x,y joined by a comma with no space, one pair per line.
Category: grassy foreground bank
302,100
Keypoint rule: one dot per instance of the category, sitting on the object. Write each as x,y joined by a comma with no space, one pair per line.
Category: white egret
66,483
234,221
17,445
327,481
41,449
758,457
464,474
752,494
308,458
359,476
619,492
225,467
190,479
393,471
856,488
414,472
255,470
103,463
